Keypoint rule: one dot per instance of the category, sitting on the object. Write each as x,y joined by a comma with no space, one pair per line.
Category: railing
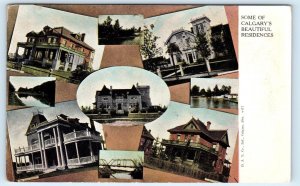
49,142
82,160
30,167
80,134
27,149
191,144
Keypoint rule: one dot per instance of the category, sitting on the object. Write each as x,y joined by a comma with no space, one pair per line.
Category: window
54,40
105,99
49,39
178,136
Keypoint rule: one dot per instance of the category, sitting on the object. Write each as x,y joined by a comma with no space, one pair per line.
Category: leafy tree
117,27
218,44
202,46
216,91
195,90
203,92
208,92
150,49
173,48
108,21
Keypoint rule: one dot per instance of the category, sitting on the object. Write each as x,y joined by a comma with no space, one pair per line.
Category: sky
125,21
165,24
19,120
179,114
122,78
29,82
34,18
120,154
212,82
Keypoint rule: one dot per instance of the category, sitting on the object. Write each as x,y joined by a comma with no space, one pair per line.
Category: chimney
192,30
208,125
149,131
82,37
137,84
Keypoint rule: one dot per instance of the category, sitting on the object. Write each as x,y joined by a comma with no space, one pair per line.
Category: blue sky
179,114
212,82
27,81
165,24
34,18
122,78
126,21
17,126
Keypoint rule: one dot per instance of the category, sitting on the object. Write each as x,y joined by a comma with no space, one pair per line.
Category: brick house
56,48
146,141
195,143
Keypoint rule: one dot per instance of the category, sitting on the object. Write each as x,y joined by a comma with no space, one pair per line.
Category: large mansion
60,143
123,100
56,48
196,143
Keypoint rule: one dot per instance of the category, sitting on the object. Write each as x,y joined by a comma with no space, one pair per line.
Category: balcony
27,149
82,160
84,134
49,142
30,168
191,144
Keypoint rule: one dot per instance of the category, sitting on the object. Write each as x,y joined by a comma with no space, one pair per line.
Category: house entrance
119,106
190,58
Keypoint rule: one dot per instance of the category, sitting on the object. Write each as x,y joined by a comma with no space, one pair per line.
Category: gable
224,139
190,126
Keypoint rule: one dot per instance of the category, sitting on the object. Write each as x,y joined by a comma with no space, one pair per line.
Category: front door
119,106
190,58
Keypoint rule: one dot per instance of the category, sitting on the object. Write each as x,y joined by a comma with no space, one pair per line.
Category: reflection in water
121,175
31,101
204,102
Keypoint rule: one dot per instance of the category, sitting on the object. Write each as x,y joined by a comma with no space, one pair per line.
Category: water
121,175
203,102
31,101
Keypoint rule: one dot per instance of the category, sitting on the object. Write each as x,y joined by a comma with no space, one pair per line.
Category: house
195,143
146,141
185,40
60,143
56,48
123,101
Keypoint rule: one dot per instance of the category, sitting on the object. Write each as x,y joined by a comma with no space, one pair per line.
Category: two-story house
123,101
56,48
60,143
195,143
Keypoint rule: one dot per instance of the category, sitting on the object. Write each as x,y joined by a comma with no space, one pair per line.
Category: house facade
185,40
197,145
146,141
123,101
61,143
56,48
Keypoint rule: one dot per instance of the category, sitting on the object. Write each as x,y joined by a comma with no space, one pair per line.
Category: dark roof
39,120
60,31
147,134
117,92
35,120
215,135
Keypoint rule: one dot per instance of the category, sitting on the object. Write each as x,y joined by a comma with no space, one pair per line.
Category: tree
216,91
202,92
195,90
218,44
150,49
173,49
208,92
223,90
117,27
108,21
202,46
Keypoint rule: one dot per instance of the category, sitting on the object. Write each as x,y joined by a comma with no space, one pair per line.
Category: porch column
159,72
17,50
76,145
66,150
25,160
91,150
32,161
67,60
181,70
56,61
44,150
63,162
17,163
56,148
41,149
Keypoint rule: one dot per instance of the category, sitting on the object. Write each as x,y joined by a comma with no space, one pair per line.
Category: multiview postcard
148,93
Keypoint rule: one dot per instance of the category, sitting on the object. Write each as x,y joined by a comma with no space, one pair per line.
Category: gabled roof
39,121
59,31
147,134
118,92
200,128
177,32
200,18
35,120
